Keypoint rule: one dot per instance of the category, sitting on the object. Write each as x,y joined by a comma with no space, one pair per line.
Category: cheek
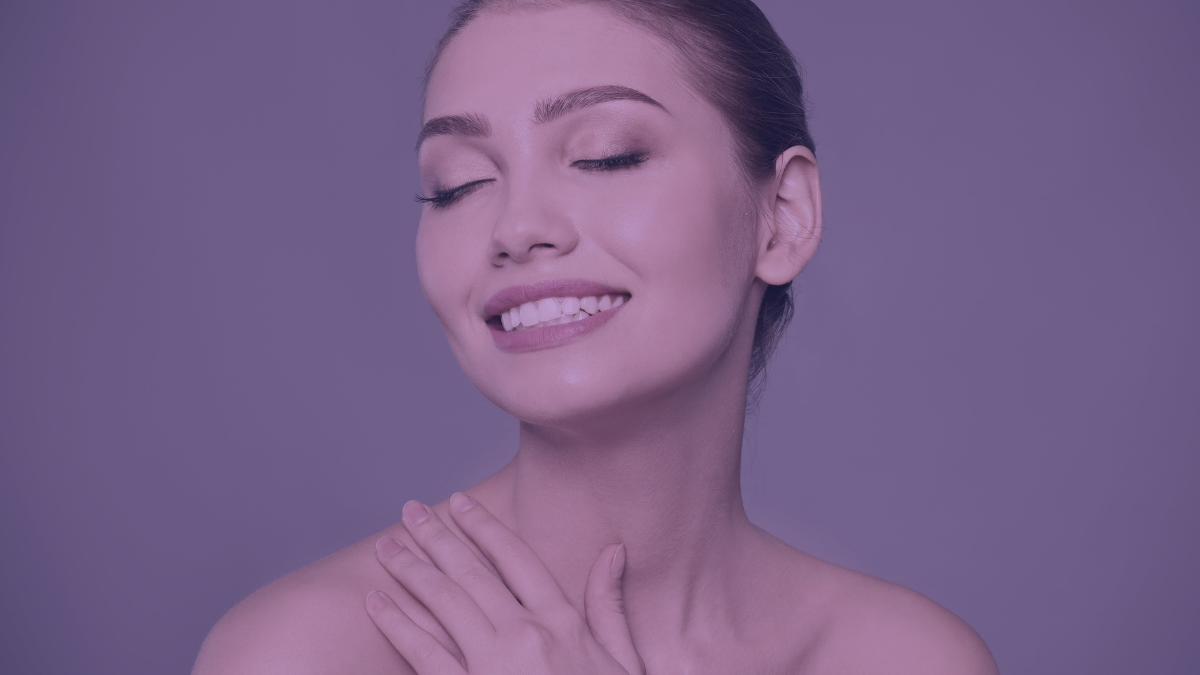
696,250
690,239
444,263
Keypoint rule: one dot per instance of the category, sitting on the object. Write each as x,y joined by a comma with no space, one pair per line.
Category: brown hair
736,61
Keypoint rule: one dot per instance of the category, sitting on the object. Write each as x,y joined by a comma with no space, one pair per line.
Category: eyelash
443,198
625,161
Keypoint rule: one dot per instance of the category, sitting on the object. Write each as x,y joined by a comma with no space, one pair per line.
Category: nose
531,227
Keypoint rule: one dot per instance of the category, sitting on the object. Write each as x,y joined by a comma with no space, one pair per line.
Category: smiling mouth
556,310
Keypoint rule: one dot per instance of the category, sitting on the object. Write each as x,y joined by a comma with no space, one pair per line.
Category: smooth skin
630,436
509,618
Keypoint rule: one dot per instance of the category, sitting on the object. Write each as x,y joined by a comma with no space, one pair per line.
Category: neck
666,483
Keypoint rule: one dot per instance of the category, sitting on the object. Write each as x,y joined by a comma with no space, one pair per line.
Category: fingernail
618,563
376,600
460,502
388,547
415,512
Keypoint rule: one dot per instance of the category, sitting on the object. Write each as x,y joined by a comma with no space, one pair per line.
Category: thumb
605,608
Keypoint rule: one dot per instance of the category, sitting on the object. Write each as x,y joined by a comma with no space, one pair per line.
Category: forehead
504,62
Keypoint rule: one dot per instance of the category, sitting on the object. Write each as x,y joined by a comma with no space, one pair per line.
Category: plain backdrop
216,363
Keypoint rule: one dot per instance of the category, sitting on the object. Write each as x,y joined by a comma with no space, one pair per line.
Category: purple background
216,364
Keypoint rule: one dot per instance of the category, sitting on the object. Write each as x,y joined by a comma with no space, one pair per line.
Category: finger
422,651
402,535
425,619
523,571
456,560
452,606
604,608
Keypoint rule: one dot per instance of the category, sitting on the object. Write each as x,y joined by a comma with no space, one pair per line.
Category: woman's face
572,169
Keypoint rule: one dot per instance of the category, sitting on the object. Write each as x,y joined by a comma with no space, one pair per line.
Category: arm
299,625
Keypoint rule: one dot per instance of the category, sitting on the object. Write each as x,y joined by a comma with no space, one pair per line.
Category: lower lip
532,339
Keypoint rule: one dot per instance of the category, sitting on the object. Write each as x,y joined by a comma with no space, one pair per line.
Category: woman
618,194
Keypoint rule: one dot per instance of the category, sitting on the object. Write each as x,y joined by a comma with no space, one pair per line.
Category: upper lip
551,288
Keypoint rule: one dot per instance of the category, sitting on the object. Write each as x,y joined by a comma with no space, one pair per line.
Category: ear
790,225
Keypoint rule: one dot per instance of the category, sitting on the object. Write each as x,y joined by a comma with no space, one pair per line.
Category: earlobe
790,227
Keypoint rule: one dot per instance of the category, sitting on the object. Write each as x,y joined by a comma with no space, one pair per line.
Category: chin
591,395
568,395
608,377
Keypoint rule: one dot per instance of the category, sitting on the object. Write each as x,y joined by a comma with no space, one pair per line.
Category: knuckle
390,622
509,550
533,637
400,566
480,523
447,594
476,575
565,618
424,651
616,605
470,516
435,536
406,561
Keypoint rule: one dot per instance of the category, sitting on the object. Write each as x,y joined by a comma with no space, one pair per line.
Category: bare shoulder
881,627
868,625
841,622
310,622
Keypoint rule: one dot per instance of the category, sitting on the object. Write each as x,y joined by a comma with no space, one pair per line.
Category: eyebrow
569,102
475,125
458,125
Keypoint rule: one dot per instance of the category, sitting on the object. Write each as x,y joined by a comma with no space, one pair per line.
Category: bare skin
630,434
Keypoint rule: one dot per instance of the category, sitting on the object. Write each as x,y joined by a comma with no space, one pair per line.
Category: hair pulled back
736,61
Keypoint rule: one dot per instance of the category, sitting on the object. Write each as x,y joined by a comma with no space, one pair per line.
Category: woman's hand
518,623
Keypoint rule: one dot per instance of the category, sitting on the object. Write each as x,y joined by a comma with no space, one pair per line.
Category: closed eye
443,198
625,161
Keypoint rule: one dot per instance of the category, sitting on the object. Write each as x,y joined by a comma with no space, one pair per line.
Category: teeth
555,311
529,314
548,309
